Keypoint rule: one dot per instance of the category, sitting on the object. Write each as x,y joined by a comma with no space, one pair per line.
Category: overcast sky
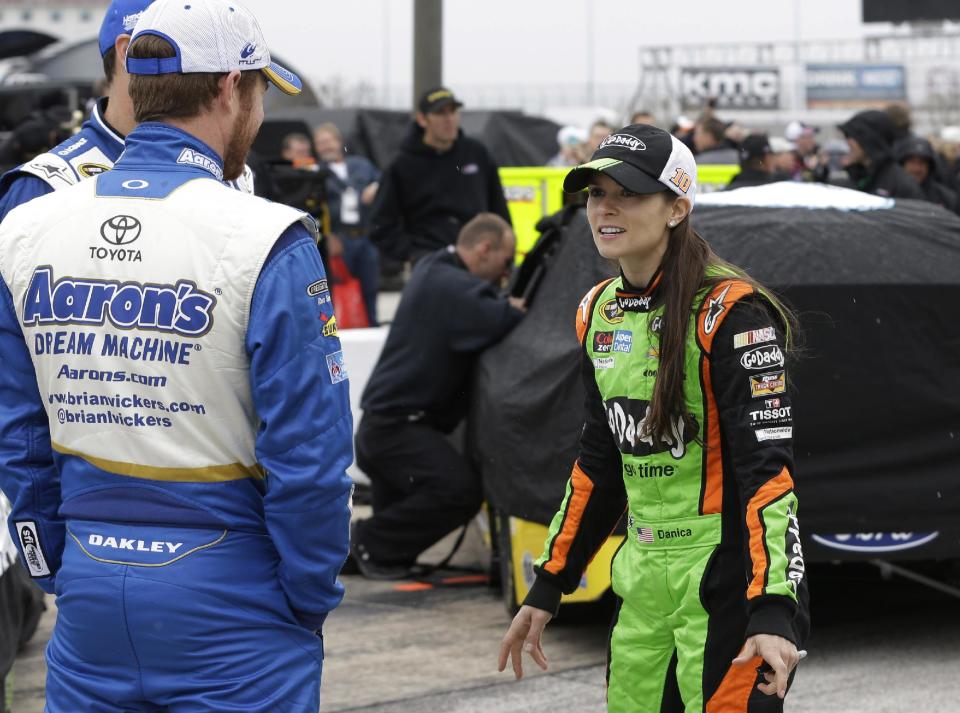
531,41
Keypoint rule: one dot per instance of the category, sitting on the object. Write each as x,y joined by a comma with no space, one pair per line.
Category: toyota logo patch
120,230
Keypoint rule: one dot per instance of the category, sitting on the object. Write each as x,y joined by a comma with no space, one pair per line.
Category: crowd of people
877,152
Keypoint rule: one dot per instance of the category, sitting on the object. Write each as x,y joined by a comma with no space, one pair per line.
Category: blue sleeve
28,476
305,440
19,188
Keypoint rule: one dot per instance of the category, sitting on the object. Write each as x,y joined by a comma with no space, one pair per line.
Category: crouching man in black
450,311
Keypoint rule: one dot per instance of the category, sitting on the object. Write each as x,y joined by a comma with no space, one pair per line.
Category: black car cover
527,406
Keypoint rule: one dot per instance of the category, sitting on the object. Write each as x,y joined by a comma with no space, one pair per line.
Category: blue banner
854,86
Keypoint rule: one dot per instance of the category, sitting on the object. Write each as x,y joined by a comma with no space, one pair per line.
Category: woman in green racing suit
688,435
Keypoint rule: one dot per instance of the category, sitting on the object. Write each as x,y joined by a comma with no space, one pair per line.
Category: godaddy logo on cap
624,140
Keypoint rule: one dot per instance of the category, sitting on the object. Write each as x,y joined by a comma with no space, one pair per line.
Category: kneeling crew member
450,311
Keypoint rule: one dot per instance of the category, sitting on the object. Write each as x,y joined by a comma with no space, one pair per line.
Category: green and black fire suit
712,553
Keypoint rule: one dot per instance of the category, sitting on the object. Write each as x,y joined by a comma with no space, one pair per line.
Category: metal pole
886,569
799,69
427,46
385,53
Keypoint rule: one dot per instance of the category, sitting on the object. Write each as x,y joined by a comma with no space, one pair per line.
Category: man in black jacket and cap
421,487
917,157
440,180
872,168
756,163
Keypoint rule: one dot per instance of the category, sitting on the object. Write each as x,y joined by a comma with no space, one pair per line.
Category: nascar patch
754,336
611,312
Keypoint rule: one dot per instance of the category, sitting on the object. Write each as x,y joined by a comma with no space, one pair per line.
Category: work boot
370,568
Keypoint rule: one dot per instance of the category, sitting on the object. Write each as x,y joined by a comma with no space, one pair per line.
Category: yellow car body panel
526,542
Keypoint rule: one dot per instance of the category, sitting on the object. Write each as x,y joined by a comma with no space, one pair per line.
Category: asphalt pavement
878,647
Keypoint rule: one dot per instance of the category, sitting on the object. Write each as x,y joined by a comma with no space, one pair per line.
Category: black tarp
513,138
876,386
527,404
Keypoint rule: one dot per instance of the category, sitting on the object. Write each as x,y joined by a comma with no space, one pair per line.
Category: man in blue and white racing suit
99,143
176,428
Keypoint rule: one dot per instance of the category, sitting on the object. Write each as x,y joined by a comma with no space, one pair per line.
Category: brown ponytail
684,266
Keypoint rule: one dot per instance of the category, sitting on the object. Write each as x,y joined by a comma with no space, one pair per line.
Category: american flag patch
645,534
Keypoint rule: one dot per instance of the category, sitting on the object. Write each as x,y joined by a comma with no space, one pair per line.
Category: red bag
347,297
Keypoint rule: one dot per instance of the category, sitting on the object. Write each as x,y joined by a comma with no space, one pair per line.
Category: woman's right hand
524,634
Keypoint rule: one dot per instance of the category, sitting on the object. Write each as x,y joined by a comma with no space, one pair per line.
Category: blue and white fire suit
91,151
175,435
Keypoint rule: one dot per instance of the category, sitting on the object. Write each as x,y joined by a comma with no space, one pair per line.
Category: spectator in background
871,166
683,128
783,158
804,138
296,149
440,180
641,116
917,157
899,113
99,142
570,140
806,150
450,311
352,185
598,132
710,142
756,163
831,163
949,150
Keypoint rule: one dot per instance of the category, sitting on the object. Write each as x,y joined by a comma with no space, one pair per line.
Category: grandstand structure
821,82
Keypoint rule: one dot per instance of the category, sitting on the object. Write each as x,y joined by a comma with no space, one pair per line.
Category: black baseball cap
755,146
642,159
436,99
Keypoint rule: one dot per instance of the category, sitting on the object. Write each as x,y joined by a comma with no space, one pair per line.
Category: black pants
422,488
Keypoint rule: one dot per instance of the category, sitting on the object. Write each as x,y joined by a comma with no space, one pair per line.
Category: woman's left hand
781,654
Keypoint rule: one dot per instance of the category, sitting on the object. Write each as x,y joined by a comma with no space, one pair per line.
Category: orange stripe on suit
581,488
734,692
770,491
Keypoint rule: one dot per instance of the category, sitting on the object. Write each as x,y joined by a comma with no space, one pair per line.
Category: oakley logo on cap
624,140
